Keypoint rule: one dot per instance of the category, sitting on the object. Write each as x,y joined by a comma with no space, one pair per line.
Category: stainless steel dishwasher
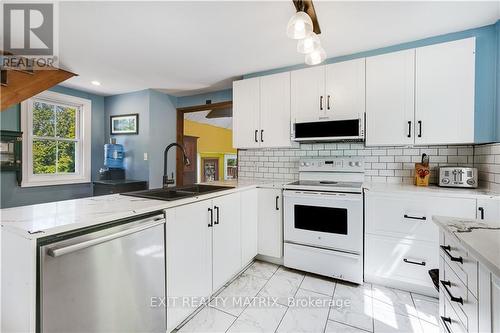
108,278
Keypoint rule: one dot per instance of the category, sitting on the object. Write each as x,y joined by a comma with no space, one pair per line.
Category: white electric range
323,218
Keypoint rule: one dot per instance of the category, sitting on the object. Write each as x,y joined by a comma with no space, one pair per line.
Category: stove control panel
335,164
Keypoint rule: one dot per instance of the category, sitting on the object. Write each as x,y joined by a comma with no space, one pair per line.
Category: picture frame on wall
124,124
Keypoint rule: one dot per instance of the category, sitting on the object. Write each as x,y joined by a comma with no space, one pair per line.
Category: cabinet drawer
410,216
449,320
458,259
460,298
404,260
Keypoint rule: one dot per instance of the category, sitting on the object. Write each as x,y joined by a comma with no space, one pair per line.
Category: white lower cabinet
401,241
488,210
495,303
270,226
203,252
469,297
226,243
249,220
189,264
404,263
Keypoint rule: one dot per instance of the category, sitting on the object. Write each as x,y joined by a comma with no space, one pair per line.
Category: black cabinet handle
481,209
277,205
255,135
321,103
217,214
420,128
211,224
409,129
261,135
446,321
447,284
423,218
446,249
422,263
328,102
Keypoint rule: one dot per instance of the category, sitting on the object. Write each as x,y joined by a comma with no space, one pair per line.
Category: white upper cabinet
275,110
307,93
444,94
246,113
390,91
335,91
261,112
345,89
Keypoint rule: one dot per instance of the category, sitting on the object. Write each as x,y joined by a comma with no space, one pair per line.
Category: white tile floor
277,299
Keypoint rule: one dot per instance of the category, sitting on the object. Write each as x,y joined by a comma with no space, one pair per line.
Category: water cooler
113,161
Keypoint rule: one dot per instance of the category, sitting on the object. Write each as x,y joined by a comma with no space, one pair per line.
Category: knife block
422,174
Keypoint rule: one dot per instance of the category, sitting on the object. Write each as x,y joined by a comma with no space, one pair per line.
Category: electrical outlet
145,156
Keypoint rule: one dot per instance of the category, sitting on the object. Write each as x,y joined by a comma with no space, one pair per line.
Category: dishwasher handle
57,252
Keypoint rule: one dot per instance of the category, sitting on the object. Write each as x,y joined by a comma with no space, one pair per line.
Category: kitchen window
56,139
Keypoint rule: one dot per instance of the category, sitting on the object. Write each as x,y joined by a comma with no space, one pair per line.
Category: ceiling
191,47
201,117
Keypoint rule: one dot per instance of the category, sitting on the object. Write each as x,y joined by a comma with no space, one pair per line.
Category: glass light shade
308,44
299,26
316,57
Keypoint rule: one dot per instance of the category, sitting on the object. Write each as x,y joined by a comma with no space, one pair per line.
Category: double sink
177,193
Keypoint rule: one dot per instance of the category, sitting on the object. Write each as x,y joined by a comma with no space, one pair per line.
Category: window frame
83,133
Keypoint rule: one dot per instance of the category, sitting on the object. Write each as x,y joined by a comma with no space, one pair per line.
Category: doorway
206,133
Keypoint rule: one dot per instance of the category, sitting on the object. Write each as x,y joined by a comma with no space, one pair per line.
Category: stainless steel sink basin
176,193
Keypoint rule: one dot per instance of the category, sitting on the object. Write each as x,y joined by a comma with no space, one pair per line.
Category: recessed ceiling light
96,83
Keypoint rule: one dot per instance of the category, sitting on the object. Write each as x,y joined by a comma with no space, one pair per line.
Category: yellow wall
212,139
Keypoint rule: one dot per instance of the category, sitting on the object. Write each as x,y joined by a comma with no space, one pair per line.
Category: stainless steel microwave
329,130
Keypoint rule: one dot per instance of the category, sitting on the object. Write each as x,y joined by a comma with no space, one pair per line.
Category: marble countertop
430,190
480,239
36,221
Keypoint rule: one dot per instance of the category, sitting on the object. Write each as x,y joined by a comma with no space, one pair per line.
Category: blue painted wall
498,80
215,96
135,145
13,195
157,128
163,116
487,53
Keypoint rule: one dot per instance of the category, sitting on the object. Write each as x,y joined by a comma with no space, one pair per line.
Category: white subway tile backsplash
382,164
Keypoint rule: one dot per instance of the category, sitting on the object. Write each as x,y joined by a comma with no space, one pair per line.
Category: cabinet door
275,110
390,81
444,94
345,89
307,93
488,210
226,238
249,219
189,258
495,303
270,227
246,113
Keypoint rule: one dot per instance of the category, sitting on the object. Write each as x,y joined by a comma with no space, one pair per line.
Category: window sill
55,183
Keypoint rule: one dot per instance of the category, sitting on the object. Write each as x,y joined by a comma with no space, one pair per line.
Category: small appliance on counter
113,161
458,177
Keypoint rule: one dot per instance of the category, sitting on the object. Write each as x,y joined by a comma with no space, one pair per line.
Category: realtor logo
28,29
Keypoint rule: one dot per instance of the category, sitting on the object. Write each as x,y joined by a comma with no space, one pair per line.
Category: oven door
324,219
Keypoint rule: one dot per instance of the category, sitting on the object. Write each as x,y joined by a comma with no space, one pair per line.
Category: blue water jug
113,154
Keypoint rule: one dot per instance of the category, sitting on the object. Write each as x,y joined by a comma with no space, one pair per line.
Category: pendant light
304,27
316,57
299,26
308,44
